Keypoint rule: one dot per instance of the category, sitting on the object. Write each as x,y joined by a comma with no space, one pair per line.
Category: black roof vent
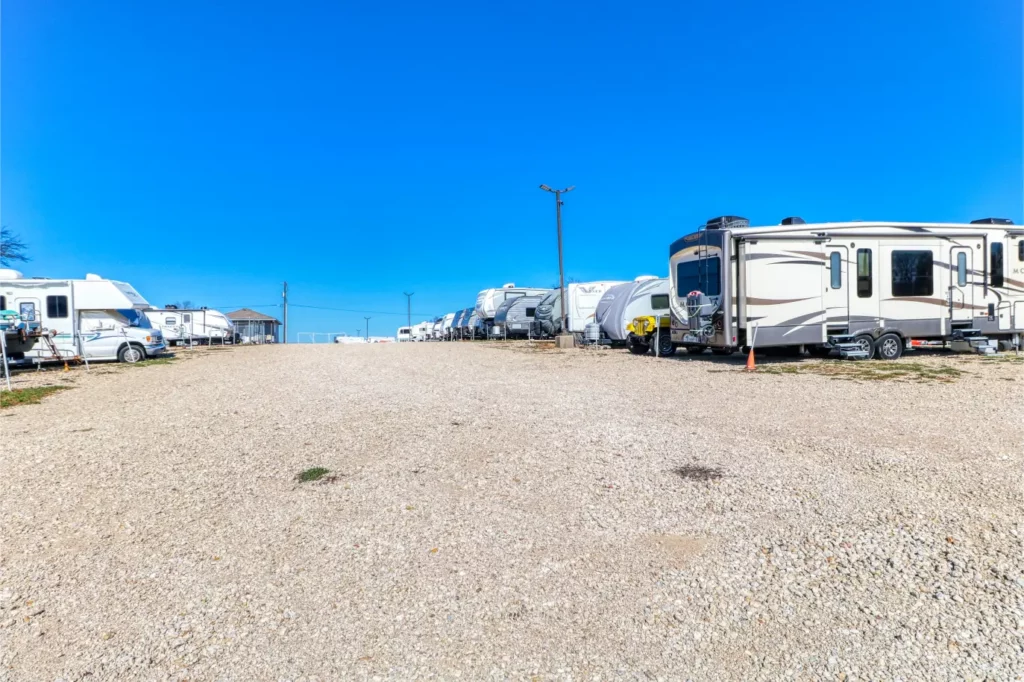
992,221
793,220
171,307
726,222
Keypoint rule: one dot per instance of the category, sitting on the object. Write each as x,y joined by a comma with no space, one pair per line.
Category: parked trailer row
850,290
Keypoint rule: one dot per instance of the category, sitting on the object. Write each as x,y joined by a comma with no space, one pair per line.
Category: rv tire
889,347
131,353
638,348
665,345
867,342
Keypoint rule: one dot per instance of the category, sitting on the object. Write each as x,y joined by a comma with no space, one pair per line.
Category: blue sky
210,151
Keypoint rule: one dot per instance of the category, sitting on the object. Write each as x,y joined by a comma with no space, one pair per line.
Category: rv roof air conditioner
510,285
992,221
645,278
7,273
91,277
793,220
726,222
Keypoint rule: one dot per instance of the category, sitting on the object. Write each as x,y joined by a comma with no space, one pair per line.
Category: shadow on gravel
694,472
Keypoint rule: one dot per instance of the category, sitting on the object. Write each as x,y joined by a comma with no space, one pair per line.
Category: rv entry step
971,340
845,347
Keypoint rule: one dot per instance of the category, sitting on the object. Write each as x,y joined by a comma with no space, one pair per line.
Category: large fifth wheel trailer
856,289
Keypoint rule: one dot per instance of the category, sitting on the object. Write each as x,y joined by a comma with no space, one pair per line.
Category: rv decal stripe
762,256
800,318
812,254
751,300
798,262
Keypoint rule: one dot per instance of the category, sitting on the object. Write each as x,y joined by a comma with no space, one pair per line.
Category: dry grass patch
870,370
27,396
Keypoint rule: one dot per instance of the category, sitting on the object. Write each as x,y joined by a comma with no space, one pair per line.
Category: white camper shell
856,289
621,304
488,300
92,318
192,325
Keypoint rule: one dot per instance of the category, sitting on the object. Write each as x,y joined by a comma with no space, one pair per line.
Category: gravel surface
495,512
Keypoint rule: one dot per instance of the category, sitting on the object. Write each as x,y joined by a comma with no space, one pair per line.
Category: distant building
254,327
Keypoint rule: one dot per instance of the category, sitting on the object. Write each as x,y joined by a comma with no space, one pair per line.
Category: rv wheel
889,347
867,343
131,354
665,345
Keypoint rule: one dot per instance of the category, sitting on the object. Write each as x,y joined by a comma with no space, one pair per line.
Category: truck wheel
889,347
131,354
665,345
637,348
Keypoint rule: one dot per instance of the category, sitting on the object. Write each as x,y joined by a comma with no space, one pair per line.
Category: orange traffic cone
750,361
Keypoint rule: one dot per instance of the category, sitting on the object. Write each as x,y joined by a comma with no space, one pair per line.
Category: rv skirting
789,336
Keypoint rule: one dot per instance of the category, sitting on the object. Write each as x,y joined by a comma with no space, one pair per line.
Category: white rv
198,325
422,331
856,289
488,300
94,318
404,334
621,304
446,325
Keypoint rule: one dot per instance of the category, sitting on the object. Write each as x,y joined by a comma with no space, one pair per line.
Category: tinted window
836,268
997,264
961,269
530,312
659,301
1020,250
702,275
3,300
912,273
56,306
186,317
863,273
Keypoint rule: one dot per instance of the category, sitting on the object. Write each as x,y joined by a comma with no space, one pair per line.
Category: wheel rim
890,348
864,344
134,355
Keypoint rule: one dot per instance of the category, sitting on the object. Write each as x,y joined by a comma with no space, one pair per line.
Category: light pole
561,268
408,301
367,329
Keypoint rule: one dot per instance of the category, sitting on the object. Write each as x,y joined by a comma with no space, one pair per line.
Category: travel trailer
422,331
581,307
646,295
456,328
471,325
446,325
854,289
435,331
514,318
488,300
92,318
192,325
404,334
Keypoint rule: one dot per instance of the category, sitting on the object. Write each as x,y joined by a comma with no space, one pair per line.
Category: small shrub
27,396
313,474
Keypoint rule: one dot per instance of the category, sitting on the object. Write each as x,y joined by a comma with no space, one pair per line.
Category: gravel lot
496,512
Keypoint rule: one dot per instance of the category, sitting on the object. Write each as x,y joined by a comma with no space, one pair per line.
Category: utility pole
284,295
367,329
408,300
561,268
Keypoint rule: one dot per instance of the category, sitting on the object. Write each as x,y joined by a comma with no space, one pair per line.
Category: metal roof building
254,327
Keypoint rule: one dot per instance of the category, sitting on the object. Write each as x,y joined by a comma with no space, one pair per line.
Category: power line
348,310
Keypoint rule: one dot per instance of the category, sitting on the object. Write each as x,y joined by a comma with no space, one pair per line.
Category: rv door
961,284
837,287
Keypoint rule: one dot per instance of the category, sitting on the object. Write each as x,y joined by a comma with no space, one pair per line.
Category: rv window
1020,250
659,301
912,273
530,312
56,306
3,299
699,275
836,267
27,311
187,317
997,264
961,269
863,273
169,321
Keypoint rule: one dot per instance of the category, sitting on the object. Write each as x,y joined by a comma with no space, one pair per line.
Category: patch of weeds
27,396
163,360
312,474
870,370
695,472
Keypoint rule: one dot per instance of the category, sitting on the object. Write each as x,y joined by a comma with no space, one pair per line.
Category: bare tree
12,249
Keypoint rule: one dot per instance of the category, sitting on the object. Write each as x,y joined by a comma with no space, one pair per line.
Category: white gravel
499,513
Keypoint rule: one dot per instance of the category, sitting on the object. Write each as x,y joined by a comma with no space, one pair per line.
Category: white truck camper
848,289
92,318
